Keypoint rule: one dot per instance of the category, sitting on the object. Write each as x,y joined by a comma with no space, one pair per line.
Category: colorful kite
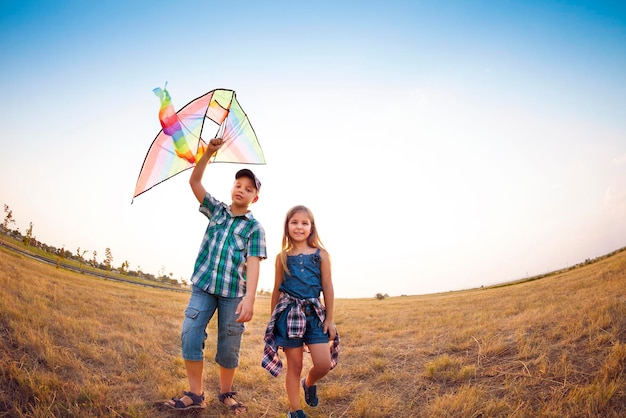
179,145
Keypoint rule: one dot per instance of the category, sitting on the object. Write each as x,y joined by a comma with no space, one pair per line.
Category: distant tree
124,267
81,256
93,260
380,296
60,255
108,258
263,292
8,217
29,234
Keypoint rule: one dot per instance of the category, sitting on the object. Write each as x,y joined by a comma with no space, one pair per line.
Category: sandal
197,402
237,407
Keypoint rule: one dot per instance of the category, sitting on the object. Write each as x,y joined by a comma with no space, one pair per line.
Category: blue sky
441,145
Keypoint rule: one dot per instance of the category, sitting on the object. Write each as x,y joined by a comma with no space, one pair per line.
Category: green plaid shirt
220,267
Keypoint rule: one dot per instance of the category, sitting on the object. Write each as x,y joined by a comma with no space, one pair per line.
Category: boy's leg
194,376
292,380
199,312
227,377
229,335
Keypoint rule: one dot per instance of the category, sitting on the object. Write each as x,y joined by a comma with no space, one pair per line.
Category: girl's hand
329,327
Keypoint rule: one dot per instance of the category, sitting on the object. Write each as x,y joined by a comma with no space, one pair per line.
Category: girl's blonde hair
313,240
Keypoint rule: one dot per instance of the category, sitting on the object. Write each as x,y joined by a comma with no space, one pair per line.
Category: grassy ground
78,346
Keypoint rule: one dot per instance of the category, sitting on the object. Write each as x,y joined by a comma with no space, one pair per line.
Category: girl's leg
292,381
320,354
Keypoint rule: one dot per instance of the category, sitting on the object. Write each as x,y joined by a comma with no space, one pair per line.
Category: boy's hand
213,145
245,310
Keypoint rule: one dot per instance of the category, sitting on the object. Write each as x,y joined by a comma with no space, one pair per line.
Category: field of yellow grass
77,346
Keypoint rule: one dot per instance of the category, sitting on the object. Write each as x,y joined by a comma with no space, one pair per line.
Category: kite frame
219,128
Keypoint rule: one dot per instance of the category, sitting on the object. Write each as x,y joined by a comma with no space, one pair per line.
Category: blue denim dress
304,281
305,278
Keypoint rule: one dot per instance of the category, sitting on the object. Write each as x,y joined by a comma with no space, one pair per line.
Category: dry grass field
77,346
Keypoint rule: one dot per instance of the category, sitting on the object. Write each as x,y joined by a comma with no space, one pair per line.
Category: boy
225,279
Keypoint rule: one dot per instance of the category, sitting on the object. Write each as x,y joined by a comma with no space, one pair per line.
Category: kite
179,145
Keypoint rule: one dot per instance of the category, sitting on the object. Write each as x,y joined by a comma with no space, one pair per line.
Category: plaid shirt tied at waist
296,326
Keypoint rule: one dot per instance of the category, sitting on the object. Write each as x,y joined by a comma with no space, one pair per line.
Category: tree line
82,256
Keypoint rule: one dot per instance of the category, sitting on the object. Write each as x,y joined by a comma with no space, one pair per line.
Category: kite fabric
179,145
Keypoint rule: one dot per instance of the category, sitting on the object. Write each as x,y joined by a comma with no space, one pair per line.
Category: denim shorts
200,310
314,333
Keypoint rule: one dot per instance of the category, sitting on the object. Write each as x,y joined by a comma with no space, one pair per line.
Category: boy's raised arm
195,181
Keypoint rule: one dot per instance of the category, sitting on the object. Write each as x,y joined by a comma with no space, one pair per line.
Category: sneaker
310,394
297,414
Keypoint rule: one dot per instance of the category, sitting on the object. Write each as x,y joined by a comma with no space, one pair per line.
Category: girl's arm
329,294
278,280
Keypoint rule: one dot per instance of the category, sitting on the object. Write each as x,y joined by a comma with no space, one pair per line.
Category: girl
298,316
